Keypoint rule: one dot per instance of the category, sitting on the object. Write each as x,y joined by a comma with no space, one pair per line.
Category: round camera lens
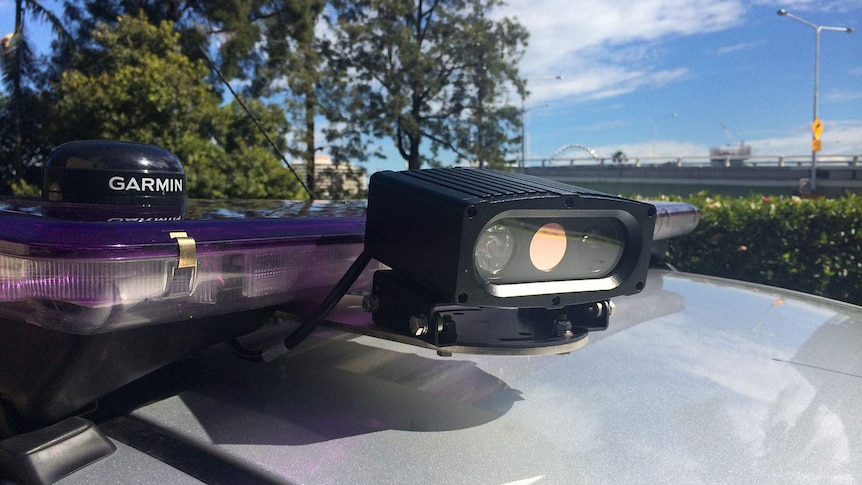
548,247
494,249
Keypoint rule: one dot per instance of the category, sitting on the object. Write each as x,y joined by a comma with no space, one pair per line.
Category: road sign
815,145
816,128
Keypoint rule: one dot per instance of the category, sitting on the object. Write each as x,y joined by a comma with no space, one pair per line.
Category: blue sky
629,66
675,77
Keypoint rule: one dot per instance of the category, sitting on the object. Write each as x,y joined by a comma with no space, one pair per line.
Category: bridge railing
825,161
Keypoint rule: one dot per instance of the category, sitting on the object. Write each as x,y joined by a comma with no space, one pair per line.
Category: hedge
809,245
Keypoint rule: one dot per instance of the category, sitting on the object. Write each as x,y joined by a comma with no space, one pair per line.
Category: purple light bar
94,276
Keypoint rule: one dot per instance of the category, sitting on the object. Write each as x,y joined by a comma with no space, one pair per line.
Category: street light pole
814,123
523,134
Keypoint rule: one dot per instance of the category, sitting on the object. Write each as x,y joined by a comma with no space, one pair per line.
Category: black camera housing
425,223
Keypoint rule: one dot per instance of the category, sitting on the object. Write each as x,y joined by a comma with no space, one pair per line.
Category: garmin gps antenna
115,180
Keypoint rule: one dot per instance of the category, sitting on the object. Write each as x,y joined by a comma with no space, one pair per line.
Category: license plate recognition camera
500,261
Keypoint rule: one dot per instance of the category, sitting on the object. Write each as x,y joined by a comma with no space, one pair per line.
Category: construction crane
729,155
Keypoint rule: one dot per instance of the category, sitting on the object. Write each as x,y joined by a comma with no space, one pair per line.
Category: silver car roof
697,380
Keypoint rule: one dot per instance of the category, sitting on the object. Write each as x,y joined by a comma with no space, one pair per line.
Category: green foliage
21,188
24,143
147,91
285,61
432,76
22,113
809,245
437,77
271,45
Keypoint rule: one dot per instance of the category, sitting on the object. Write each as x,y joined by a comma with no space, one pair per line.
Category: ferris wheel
574,146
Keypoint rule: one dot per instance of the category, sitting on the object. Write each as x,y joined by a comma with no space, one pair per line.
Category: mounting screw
370,303
563,326
598,309
595,310
418,325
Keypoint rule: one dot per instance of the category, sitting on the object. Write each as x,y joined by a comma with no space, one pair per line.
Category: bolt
594,310
563,326
418,325
370,303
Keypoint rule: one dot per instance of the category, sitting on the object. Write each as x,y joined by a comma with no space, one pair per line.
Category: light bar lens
92,283
62,294
539,249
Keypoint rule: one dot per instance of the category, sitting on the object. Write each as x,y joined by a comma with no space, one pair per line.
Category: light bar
87,277
674,219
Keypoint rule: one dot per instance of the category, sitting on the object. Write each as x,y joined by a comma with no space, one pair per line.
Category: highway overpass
778,175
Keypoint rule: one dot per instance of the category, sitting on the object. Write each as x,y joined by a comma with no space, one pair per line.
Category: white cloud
607,49
839,137
563,26
842,96
737,47
601,81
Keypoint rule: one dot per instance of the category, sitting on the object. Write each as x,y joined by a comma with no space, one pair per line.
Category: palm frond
39,12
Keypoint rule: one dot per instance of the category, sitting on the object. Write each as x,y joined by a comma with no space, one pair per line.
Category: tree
24,143
19,109
430,74
270,43
619,157
190,19
148,91
490,75
287,64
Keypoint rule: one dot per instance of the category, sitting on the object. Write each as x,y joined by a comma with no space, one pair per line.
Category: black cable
338,291
244,352
315,317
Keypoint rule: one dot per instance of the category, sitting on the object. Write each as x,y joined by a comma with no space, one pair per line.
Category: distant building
732,156
342,180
